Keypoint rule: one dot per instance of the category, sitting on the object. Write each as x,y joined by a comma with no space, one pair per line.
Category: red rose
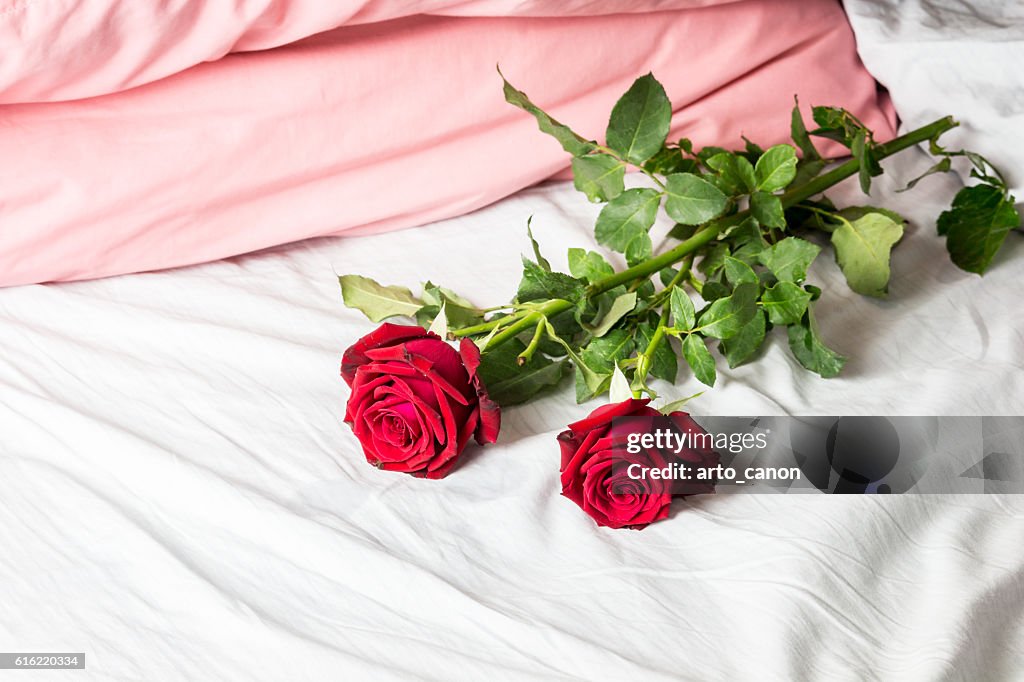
416,401
595,466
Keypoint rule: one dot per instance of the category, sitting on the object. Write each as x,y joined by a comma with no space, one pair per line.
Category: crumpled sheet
181,501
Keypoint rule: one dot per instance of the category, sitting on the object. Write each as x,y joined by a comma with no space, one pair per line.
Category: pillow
386,125
59,50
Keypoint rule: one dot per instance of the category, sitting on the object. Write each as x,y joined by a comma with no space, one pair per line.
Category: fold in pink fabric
72,49
386,125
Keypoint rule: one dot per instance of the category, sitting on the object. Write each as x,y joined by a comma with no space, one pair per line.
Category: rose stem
643,362
712,230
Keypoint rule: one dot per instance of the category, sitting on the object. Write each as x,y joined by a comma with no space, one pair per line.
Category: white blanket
181,501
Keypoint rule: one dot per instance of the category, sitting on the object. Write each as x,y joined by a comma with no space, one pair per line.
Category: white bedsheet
181,501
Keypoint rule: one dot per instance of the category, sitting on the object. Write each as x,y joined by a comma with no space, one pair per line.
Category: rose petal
490,411
605,413
385,335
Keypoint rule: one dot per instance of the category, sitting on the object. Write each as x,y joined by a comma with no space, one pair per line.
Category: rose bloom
416,401
595,464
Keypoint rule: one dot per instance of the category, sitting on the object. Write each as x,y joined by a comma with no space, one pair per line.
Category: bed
181,500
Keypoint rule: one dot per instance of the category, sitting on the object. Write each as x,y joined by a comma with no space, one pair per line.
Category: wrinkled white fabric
940,57
181,502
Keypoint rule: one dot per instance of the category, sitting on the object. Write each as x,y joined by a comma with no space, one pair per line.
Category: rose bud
596,465
416,401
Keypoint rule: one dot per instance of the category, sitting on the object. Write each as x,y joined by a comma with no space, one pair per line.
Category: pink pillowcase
385,125
59,50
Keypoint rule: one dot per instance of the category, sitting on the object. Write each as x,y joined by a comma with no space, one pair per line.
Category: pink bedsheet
384,125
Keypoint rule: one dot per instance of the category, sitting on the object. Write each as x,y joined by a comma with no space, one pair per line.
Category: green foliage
785,303
541,260
540,284
623,223
745,343
570,141
726,316
620,307
977,224
699,358
863,241
663,361
639,122
683,314
511,383
776,168
375,301
789,259
798,131
767,209
809,350
740,216
588,265
460,312
692,200
599,176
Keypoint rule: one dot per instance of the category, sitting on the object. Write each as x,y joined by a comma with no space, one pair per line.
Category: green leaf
439,325
714,258
767,209
807,171
627,218
459,311
375,301
599,176
622,306
539,284
570,141
712,291
735,171
595,364
798,132
751,150
863,243
509,383
704,154
541,260
785,303
602,353
748,243
864,151
699,358
682,232
789,259
726,316
776,168
810,351
670,160
976,226
677,405
942,166
737,272
640,120
663,362
588,265
837,124
638,250
745,343
684,317
693,200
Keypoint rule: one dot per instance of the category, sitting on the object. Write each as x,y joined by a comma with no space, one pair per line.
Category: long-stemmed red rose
416,401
